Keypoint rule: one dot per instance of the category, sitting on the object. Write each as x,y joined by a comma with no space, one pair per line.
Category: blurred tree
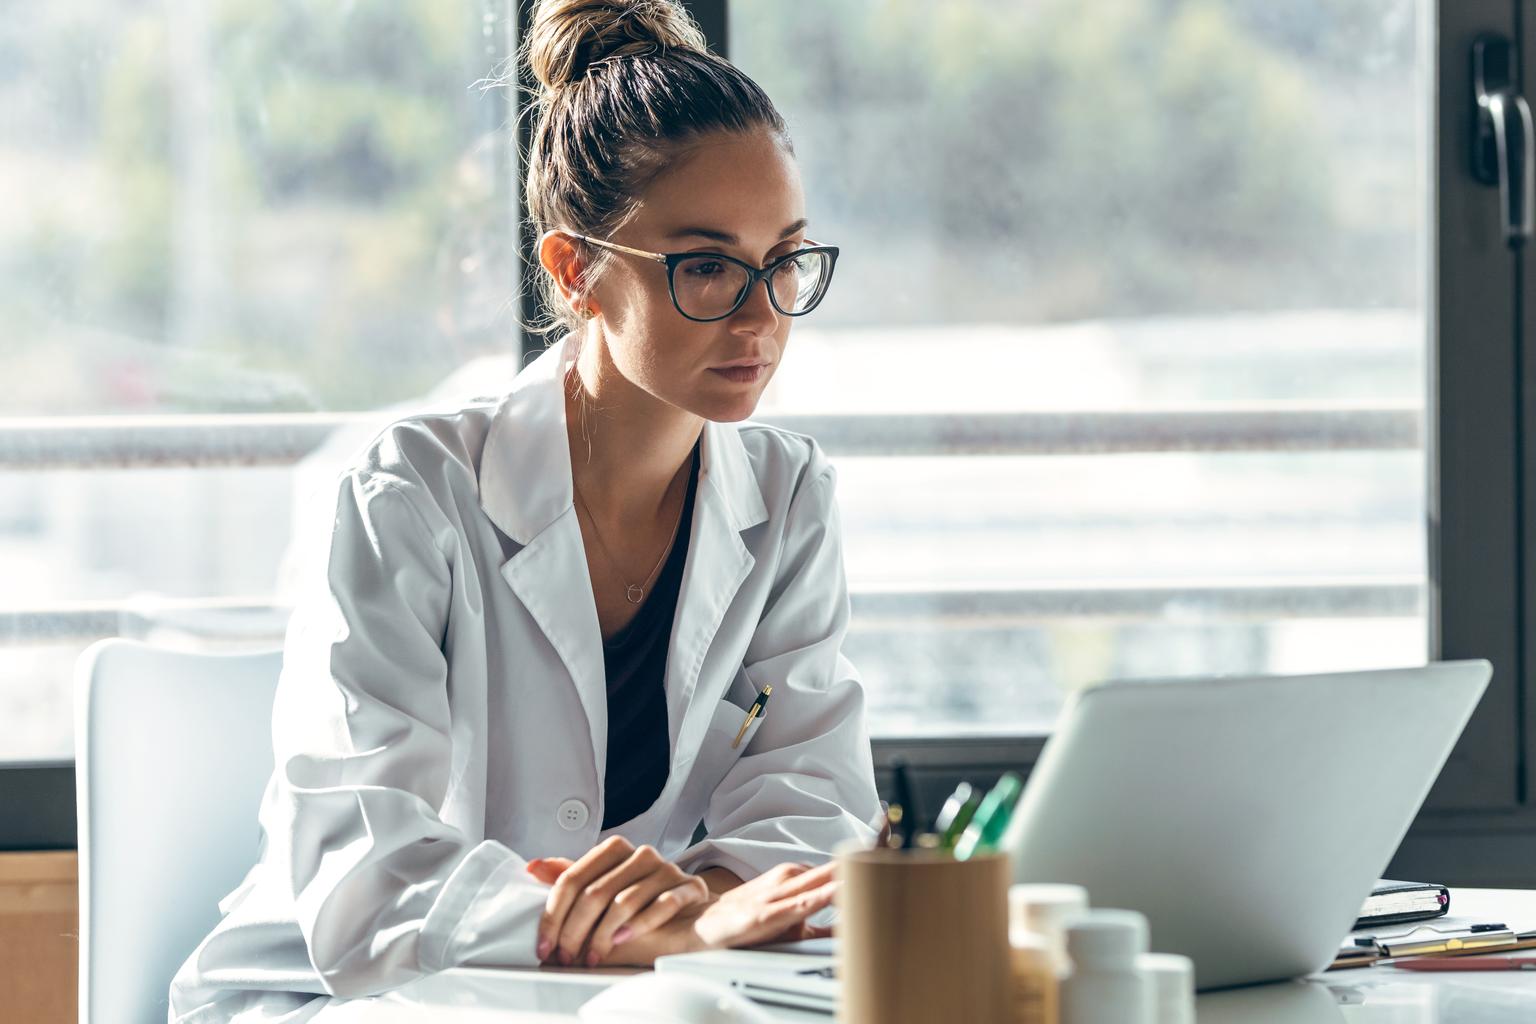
348,170
979,161
350,101
132,280
1048,161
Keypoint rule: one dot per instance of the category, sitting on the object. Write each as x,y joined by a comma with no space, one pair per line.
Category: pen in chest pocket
752,712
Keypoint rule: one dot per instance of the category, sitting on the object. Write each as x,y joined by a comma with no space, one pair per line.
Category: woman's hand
615,893
770,908
719,880
773,907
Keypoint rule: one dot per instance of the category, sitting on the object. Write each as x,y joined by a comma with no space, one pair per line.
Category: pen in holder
922,937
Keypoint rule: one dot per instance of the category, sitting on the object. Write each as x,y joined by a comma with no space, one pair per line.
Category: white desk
1373,995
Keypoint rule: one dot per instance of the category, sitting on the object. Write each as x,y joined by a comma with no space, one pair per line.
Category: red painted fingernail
592,959
622,935
565,959
543,950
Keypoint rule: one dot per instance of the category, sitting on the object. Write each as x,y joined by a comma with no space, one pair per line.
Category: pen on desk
1467,963
906,821
890,835
956,814
1461,945
753,712
1453,945
991,820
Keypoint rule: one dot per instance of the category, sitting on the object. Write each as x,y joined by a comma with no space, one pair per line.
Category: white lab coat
441,717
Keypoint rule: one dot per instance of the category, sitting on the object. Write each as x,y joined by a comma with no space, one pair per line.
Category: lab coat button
571,815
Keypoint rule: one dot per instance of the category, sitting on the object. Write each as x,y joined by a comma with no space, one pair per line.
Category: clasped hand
623,904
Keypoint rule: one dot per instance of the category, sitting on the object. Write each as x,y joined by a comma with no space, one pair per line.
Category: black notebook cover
1393,902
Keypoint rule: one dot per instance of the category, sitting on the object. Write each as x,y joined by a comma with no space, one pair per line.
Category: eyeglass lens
707,287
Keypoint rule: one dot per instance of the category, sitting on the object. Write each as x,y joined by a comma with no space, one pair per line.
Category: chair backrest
172,752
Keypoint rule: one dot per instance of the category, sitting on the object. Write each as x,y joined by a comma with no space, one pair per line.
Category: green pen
986,828
957,813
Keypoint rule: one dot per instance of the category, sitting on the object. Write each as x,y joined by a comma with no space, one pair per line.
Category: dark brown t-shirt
635,660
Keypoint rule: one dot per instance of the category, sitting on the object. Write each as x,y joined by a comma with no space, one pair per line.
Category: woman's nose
758,307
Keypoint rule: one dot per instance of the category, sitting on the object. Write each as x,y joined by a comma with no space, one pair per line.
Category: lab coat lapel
525,489
550,577
727,502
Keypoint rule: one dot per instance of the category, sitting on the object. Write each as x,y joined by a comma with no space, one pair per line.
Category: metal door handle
1504,143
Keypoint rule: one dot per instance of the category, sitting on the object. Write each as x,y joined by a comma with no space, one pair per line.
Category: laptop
1247,817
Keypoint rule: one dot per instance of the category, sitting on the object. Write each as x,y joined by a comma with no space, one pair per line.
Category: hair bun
568,36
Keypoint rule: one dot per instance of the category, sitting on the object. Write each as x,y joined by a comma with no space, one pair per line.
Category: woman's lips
741,374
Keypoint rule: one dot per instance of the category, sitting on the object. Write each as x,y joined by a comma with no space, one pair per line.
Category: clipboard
1365,951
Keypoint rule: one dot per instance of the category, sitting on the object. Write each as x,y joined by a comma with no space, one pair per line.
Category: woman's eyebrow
726,238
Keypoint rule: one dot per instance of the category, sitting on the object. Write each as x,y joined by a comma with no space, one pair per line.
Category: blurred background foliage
1132,158
306,204
329,179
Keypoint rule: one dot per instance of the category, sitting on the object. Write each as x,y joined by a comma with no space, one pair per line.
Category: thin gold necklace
634,593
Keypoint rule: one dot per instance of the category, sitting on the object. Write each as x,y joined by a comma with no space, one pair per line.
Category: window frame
1482,506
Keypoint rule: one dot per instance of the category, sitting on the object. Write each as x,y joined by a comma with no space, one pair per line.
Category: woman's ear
561,256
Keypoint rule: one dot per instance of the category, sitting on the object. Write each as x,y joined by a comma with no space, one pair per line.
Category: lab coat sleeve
806,781
382,888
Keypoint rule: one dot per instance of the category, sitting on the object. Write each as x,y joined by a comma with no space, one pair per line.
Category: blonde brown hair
626,86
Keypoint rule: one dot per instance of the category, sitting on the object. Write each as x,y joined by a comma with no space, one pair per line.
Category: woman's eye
790,268
704,268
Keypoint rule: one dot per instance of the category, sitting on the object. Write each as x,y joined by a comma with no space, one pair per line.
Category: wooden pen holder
922,937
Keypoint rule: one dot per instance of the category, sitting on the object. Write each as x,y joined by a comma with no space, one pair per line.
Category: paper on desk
805,947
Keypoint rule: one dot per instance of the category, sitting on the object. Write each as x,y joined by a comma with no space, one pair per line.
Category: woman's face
738,195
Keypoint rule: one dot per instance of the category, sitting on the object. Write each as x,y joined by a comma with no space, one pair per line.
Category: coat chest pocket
715,758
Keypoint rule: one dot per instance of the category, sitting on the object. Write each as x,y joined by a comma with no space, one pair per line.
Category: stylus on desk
1466,963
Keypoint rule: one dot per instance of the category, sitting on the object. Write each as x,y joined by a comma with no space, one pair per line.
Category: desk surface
1369,995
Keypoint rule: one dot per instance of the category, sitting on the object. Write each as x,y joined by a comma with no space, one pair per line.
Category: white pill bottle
1106,985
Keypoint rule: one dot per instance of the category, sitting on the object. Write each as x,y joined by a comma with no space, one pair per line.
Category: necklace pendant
634,593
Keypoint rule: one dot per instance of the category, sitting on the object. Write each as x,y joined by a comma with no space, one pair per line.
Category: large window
1166,260
1122,370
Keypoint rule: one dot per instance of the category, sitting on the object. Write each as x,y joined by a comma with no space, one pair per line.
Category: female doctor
517,686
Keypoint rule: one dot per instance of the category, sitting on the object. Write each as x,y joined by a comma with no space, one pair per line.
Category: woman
524,680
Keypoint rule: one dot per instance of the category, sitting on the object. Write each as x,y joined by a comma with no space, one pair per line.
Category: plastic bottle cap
1039,907
1173,986
1170,969
1042,909
1106,939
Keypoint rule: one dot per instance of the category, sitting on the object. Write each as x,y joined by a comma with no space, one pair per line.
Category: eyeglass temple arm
655,256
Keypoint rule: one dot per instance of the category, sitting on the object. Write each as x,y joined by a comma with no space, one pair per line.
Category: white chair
172,752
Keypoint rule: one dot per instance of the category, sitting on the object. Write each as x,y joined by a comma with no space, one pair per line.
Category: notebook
798,975
1393,902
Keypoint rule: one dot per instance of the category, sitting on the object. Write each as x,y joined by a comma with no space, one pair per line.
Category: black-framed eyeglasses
709,286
